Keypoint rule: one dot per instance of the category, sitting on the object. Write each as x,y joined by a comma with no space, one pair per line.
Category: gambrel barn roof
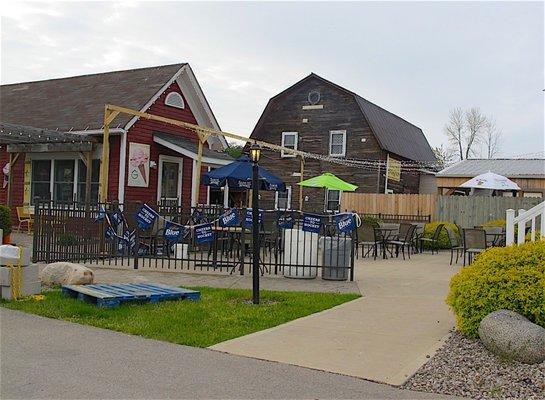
393,133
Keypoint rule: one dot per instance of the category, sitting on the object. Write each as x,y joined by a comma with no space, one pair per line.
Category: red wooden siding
18,170
142,132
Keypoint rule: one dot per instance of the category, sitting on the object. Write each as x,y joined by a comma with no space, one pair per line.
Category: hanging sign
286,221
248,218
116,218
230,218
345,222
173,232
312,223
146,217
394,169
109,233
130,238
204,233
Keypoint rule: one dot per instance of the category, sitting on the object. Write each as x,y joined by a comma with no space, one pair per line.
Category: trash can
301,251
336,257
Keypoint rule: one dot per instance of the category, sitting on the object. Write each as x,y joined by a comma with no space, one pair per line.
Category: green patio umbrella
329,181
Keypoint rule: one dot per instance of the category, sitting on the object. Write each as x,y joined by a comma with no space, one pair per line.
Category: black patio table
385,235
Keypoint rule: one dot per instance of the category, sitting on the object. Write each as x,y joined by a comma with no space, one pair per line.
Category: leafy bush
529,235
368,219
67,239
511,278
495,222
444,242
5,220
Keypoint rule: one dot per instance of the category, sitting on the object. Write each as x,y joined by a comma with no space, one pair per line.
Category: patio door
169,186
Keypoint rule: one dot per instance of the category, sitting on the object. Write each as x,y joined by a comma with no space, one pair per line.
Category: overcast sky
417,60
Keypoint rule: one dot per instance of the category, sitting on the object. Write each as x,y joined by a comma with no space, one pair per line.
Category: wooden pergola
20,139
203,133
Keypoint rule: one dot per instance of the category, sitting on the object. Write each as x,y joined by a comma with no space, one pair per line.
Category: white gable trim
188,153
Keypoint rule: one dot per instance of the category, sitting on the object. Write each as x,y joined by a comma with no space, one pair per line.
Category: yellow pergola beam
111,111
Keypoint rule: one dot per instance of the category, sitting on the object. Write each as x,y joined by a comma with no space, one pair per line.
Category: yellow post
301,187
197,183
109,116
105,159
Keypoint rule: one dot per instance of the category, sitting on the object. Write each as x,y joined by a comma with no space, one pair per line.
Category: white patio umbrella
491,181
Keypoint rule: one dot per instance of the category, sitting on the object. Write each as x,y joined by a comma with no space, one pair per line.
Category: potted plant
5,223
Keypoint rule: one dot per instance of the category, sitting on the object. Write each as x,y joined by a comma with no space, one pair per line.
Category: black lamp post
255,153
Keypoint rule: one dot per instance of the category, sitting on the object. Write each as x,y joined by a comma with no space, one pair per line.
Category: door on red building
169,186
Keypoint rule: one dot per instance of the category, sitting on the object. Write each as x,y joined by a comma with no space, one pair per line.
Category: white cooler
300,248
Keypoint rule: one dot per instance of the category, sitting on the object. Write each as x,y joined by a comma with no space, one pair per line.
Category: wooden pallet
111,295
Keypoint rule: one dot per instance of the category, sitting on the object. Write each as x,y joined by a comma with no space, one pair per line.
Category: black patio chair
433,241
474,243
406,233
368,236
455,244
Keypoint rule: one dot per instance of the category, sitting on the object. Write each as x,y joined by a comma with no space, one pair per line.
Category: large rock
508,334
66,273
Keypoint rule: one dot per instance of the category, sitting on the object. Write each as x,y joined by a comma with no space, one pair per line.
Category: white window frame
288,204
175,99
296,143
337,132
327,196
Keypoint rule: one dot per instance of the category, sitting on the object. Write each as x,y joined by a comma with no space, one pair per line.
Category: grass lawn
220,315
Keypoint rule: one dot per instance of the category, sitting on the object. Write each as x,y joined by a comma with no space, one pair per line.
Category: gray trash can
336,257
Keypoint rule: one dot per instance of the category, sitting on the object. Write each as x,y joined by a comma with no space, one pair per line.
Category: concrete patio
384,336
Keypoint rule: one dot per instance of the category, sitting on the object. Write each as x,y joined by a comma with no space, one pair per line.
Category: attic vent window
174,99
314,97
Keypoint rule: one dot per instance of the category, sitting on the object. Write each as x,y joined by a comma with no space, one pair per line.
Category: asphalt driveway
45,358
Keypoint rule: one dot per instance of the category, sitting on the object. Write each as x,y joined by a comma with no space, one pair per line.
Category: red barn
149,160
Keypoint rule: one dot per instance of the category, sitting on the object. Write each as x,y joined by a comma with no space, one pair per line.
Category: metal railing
79,232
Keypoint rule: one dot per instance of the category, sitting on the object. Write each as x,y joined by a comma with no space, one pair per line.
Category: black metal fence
80,232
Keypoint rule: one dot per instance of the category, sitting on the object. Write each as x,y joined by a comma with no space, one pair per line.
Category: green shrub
67,239
495,222
510,278
529,235
367,219
444,242
5,220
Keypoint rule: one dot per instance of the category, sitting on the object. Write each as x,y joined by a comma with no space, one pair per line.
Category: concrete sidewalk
49,359
385,336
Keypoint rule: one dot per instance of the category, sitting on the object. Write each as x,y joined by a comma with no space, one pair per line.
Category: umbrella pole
301,186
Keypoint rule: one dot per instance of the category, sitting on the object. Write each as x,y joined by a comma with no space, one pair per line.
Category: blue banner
230,218
345,222
204,234
173,232
286,221
248,218
110,233
130,238
146,217
312,223
116,218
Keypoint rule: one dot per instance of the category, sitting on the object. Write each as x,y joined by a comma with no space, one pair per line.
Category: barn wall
340,111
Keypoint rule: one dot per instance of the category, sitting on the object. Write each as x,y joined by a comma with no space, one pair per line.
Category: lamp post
255,153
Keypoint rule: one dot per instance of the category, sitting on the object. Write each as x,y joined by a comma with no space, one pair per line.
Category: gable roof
508,167
393,133
77,103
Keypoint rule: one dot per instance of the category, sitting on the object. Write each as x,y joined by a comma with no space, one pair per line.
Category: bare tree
466,130
455,130
476,123
444,156
491,139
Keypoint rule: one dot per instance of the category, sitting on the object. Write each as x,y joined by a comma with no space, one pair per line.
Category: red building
149,160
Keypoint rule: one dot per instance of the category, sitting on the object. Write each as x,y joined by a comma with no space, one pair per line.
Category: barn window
174,99
289,140
283,199
337,143
332,200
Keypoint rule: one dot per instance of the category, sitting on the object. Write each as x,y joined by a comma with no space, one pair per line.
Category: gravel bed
463,367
